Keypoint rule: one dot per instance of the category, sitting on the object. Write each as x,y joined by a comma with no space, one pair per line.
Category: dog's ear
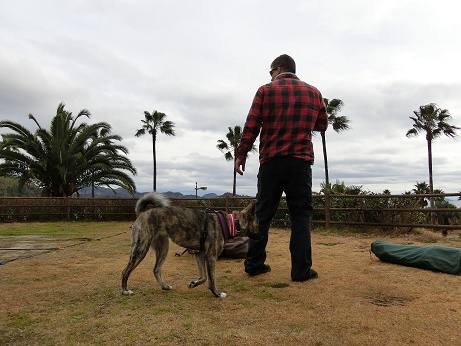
249,209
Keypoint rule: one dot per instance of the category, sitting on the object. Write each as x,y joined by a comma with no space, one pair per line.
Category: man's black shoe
264,269
312,275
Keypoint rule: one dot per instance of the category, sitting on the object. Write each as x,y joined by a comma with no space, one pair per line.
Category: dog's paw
197,282
222,295
127,292
166,287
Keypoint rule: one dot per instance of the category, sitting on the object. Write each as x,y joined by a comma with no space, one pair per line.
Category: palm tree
339,123
433,121
421,188
153,123
234,136
105,165
63,160
340,188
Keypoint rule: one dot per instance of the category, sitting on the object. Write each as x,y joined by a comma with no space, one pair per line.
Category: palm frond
60,159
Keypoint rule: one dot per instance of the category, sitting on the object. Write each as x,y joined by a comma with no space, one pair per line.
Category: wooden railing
329,210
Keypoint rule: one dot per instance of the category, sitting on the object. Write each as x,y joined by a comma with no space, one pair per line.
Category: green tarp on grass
437,258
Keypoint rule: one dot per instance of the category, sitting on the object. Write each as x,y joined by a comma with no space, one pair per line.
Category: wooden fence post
327,208
68,208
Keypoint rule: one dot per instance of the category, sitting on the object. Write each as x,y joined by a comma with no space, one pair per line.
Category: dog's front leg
200,259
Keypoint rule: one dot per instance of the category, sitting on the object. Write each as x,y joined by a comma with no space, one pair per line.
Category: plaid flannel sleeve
321,123
252,126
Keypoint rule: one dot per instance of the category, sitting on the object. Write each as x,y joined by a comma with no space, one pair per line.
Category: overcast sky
201,62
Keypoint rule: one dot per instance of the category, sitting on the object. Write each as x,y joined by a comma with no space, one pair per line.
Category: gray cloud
201,63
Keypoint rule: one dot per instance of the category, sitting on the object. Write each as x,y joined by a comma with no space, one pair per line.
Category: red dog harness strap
233,229
227,232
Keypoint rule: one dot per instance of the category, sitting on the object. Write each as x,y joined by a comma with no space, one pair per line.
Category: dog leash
204,234
180,254
203,237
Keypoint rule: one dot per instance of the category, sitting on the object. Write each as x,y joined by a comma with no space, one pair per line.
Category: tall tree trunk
429,158
234,187
155,162
325,160
431,183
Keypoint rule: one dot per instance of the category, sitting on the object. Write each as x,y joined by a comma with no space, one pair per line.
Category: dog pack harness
228,233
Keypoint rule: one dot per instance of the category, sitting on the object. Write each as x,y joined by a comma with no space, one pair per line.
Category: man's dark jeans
294,177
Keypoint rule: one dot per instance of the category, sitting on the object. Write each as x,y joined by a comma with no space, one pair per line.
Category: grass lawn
61,286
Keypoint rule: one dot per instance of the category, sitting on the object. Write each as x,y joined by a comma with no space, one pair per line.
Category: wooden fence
402,211
329,210
22,209
66,209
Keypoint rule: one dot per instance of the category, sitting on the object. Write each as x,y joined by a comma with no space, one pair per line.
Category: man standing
284,113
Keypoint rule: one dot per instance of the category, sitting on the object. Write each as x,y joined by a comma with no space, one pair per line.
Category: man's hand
239,163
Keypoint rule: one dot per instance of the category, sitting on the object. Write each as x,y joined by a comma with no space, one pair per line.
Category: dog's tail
151,200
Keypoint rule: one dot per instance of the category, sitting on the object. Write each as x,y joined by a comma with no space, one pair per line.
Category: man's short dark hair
285,62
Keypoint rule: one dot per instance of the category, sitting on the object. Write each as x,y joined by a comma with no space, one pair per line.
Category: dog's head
247,225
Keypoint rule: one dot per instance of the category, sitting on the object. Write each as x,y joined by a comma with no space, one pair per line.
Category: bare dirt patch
72,296
389,300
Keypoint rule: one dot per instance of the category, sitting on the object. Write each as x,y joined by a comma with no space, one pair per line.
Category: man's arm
250,133
238,163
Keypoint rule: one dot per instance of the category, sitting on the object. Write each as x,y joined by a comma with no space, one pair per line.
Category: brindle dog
194,229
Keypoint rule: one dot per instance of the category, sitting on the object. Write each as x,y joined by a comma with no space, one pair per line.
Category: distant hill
210,195
103,192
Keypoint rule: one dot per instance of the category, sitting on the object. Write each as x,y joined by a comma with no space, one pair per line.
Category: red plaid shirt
286,111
